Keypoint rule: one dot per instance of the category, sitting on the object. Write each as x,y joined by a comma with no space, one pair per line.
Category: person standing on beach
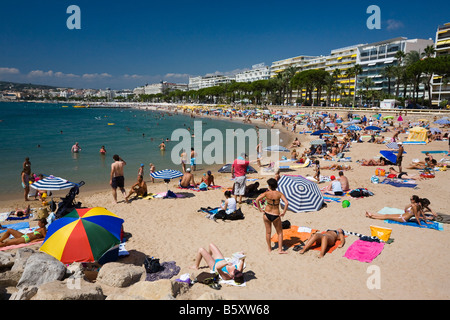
183,159
272,214
25,183
400,156
117,179
238,173
193,156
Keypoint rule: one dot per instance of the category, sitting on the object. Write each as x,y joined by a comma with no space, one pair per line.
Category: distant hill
5,85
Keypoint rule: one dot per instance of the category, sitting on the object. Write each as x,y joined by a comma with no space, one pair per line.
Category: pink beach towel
364,251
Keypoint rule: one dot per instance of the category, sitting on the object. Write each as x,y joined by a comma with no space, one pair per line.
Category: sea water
46,133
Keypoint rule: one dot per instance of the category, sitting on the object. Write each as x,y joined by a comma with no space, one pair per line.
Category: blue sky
124,44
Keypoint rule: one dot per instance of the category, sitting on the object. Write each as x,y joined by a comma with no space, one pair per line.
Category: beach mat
435,151
292,236
398,184
433,225
364,251
17,246
16,226
443,218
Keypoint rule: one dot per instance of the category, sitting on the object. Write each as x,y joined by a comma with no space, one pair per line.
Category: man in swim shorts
117,179
238,173
193,155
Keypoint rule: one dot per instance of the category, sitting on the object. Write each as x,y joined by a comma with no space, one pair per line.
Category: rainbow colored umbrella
83,235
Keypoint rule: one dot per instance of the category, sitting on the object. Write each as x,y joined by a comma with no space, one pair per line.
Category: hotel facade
441,89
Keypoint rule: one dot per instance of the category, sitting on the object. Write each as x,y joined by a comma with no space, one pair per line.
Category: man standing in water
117,179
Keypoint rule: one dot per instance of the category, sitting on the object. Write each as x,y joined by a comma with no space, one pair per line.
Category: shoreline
174,229
17,200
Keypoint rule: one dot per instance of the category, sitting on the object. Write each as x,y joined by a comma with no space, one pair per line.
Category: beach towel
167,271
16,226
388,210
443,218
330,199
364,251
17,246
4,216
435,151
399,183
433,225
293,236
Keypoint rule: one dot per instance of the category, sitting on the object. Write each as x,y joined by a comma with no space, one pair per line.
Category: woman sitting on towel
229,205
414,209
20,238
272,213
215,260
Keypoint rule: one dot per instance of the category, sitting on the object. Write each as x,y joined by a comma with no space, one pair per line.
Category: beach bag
380,172
375,179
152,265
209,279
203,186
236,215
286,224
381,233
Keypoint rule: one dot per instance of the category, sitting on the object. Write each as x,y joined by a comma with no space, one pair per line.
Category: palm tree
429,51
357,69
367,83
388,73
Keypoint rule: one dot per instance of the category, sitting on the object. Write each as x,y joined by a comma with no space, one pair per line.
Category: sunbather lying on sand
338,167
326,239
412,210
20,238
403,175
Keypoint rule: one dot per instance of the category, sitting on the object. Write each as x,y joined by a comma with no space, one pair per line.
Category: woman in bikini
20,238
272,213
217,263
325,240
414,209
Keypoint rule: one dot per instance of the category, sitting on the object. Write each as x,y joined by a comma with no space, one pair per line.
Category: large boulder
120,275
41,268
158,290
70,289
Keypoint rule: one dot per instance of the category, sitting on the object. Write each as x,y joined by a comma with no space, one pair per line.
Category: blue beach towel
16,226
398,184
433,225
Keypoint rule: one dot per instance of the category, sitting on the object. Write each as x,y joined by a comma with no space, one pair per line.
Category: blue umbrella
319,132
354,128
373,128
434,130
276,148
303,195
52,183
442,121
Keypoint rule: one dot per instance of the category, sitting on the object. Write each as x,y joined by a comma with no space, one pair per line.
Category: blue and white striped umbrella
443,121
166,174
303,195
52,183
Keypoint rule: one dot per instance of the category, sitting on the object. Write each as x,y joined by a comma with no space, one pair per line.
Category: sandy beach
414,266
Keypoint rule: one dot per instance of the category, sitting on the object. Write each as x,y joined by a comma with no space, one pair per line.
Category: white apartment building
258,72
281,65
374,57
196,83
440,90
